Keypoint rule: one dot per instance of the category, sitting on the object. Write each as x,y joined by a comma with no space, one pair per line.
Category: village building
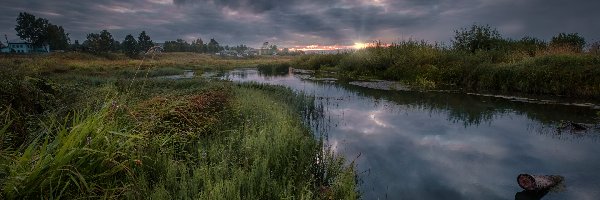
265,50
19,46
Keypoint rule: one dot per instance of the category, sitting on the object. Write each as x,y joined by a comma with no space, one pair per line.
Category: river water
444,145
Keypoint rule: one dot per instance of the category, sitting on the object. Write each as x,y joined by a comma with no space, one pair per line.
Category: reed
551,71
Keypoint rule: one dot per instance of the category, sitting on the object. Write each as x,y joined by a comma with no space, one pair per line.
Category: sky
297,23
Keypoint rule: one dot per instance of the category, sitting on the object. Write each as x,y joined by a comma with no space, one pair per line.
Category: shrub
572,41
476,38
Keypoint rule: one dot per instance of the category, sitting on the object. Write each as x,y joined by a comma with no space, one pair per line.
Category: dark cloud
297,22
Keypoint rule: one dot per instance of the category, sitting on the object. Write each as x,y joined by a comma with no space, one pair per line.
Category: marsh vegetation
478,60
79,126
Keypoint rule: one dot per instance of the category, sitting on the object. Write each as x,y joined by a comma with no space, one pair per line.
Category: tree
57,38
144,42
273,49
198,46
92,43
213,46
32,29
239,48
130,46
178,45
571,40
116,47
529,45
75,46
99,43
477,38
39,31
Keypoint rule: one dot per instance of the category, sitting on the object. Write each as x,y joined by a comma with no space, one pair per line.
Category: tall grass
552,71
83,63
102,135
82,159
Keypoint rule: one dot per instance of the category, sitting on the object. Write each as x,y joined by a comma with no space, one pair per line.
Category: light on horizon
359,45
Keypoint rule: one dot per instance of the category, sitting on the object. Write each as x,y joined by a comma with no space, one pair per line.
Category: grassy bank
57,63
78,133
551,71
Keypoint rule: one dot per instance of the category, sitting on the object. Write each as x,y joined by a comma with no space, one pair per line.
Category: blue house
19,46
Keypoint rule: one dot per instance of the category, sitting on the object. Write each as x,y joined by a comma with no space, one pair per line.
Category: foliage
572,40
141,138
595,48
317,62
144,42
57,38
273,48
522,66
40,31
213,46
479,60
530,45
478,37
76,46
198,46
32,29
130,46
22,100
178,45
98,43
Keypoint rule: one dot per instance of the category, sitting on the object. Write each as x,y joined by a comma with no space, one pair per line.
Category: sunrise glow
356,46
359,45
316,47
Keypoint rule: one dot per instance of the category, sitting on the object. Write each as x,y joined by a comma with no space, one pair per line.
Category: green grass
83,63
429,66
98,133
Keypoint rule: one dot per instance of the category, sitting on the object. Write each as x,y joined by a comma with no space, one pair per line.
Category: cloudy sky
304,22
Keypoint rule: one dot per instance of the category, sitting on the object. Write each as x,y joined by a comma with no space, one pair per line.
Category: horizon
301,24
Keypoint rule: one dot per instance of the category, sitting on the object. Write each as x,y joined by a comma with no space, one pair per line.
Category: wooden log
538,182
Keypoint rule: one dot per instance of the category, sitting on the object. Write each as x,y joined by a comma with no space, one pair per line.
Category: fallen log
538,182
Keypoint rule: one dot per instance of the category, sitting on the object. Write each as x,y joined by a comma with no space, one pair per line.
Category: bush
572,41
315,62
23,99
477,38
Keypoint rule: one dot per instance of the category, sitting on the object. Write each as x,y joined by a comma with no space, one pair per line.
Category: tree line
39,32
486,38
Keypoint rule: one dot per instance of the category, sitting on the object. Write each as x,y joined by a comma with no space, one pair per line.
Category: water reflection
530,195
433,145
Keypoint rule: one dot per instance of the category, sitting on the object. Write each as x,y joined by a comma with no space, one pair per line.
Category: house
19,46
265,49
251,52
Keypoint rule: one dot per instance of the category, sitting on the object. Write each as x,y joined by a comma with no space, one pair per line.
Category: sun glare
359,45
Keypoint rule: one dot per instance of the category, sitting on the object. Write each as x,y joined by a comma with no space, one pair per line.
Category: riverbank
92,127
425,66
164,63
428,137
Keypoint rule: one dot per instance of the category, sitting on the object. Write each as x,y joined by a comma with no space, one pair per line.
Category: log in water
538,182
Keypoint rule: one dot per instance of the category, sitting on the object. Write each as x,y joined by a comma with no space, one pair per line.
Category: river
447,145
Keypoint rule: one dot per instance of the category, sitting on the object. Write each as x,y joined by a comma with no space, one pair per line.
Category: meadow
74,125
